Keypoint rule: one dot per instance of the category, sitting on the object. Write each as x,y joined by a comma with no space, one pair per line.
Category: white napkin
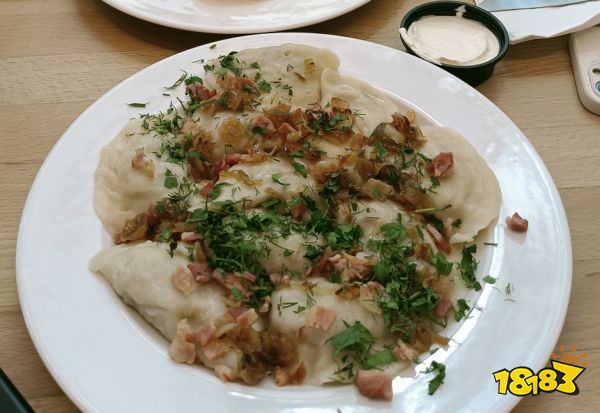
541,23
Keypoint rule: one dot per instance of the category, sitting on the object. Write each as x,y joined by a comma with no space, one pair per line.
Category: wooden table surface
59,56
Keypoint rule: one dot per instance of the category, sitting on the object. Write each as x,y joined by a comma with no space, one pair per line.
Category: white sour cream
451,40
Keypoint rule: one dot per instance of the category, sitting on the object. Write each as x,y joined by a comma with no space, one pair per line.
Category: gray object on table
498,5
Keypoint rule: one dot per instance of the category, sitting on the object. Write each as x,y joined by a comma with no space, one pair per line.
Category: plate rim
200,28
79,400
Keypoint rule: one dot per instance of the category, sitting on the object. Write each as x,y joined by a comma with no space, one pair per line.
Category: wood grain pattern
58,56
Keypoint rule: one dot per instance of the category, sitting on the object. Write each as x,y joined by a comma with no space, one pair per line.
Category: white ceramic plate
235,16
546,22
109,360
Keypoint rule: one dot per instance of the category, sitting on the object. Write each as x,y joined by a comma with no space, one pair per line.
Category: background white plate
544,22
235,16
108,360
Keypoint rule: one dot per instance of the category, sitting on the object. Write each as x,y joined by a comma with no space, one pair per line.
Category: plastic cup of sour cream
463,39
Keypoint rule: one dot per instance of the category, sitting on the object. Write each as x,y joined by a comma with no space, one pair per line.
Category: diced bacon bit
201,272
234,99
296,117
261,121
207,188
265,305
404,351
447,233
199,92
422,252
376,286
322,263
248,276
206,333
300,212
374,384
183,280
229,282
190,237
284,130
247,318
235,311
181,350
137,162
213,349
441,165
349,267
517,223
225,373
438,240
227,161
320,317
344,213
285,376
443,307
275,277
244,82
370,291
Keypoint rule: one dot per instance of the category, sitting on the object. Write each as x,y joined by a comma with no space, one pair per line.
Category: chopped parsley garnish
230,62
165,236
237,294
179,81
468,266
380,151
441,264
381,358
313,252
354,344
332,186
137,105
461,309
488,279
264,86
300,169
277,178
438,380
344,237
170,179
193,79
